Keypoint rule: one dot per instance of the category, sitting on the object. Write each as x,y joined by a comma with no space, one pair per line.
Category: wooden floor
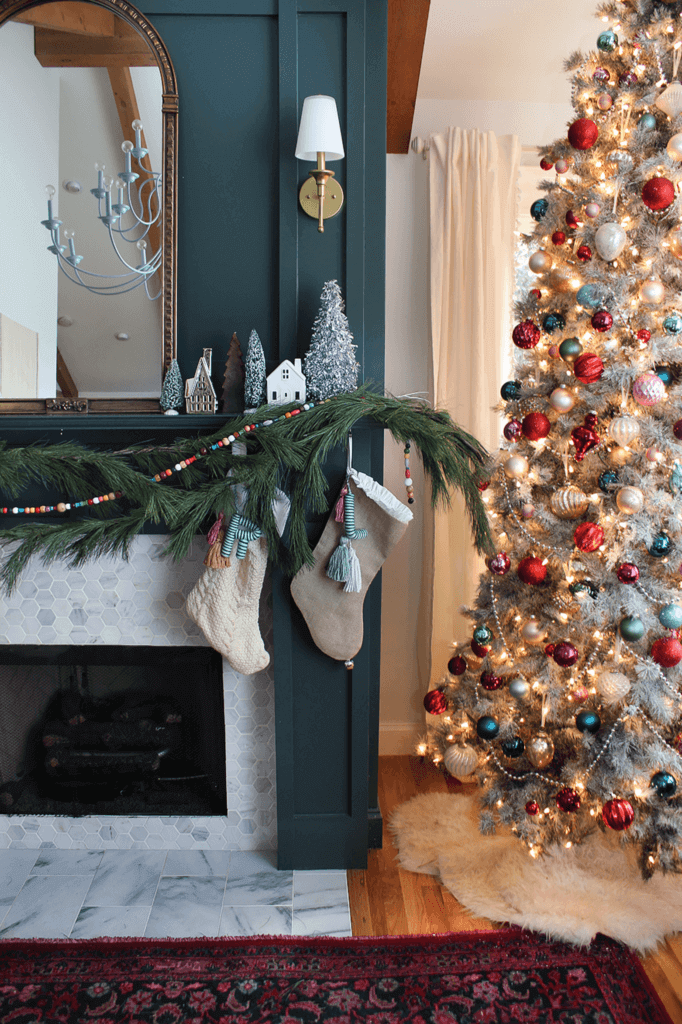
384,900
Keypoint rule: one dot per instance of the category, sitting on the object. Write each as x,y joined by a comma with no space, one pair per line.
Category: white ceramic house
286,383
200,394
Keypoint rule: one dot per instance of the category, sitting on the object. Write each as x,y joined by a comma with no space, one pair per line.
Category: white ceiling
504,49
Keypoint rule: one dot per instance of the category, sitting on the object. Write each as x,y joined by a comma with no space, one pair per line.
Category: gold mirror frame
169,114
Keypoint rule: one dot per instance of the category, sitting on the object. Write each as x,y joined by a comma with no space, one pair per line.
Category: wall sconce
319,138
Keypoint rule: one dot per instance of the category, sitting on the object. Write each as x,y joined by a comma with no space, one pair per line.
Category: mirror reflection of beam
65,381
126,48
76,17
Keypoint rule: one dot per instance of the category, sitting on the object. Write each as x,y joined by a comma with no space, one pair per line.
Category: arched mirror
88,186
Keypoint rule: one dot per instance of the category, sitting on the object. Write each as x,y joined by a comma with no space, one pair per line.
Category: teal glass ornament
664,783
646,122
513,748
588,721
487,727
539,209
672,323
608,480
553,322
587,587
570,349
670,616
665,373
631,628
590,296
482,635
510,389
660,545
607,41
578,588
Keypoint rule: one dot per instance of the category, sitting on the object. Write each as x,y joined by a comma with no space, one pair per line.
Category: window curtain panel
473,178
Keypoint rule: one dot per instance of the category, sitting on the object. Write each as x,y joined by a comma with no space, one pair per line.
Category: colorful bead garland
408,474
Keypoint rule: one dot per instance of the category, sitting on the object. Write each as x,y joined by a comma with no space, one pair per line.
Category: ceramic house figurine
200,394
286,383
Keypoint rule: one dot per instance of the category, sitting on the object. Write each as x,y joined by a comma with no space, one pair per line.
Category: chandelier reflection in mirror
139,204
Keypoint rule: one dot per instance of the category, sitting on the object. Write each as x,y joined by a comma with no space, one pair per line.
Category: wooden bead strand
408,475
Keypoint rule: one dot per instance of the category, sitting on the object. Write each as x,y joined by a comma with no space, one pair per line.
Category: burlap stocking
334,617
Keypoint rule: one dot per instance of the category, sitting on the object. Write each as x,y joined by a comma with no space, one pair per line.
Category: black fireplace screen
111,730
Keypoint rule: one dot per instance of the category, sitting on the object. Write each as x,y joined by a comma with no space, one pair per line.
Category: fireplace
120,613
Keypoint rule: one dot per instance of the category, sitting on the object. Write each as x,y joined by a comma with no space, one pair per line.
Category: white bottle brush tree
172,392
330,366
567,701
254,373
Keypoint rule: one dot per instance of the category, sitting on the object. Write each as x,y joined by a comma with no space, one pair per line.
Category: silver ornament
622,159
610,240
540,750
460,761
562,400
532,632
674,147
569,502
519,688
652,291
624,430
630,500
540,262
516,467
613,686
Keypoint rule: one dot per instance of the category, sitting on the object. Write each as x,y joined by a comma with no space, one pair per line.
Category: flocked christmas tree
173,391
330,366
568,701
254,370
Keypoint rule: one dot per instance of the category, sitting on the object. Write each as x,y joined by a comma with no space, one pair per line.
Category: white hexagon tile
142,602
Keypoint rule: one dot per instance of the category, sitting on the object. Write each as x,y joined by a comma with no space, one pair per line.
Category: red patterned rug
500,977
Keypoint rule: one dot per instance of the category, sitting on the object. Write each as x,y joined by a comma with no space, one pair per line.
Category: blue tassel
338,568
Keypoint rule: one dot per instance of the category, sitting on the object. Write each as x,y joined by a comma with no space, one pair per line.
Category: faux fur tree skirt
568,895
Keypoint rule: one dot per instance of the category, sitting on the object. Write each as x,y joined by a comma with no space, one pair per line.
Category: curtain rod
419,145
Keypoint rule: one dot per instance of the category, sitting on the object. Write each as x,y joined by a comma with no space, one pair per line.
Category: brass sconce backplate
333,198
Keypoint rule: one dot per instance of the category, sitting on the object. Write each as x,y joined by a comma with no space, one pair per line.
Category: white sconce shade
319,131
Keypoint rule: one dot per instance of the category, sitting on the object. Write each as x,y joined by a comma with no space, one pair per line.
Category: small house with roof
286,383
200,394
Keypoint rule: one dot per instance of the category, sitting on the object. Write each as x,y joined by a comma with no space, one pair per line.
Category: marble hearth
141,602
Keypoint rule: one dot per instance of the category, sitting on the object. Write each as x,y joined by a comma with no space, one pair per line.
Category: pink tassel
215,529
339,511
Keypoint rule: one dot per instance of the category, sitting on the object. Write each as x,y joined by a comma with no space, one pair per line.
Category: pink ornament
561,166
592,210
553,351
648,389
580,694
528,511
654,455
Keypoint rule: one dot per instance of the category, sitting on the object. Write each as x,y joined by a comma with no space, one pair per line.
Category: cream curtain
472,199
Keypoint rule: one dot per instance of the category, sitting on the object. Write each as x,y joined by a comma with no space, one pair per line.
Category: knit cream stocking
224,604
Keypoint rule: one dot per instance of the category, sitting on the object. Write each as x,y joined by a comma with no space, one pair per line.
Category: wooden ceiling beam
79,18
407,21
68,50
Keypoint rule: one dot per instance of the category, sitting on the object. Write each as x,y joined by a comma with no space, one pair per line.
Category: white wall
29,145
407,371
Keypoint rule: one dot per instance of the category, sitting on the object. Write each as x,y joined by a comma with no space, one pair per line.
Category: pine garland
288,454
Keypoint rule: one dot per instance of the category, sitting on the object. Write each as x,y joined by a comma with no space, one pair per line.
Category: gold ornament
569,502
516,467
674,240
540,750
630,500
561,280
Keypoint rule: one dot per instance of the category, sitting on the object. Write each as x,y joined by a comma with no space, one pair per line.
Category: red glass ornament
526,334
549,650
546,164
584,253
677,743
435,702
580,694
568,800
479,649
667,651
588,536
457,666
643,334
535,426
602,321
532,807
535,293
601,75
627,572
677,429
500,563
558,238
618,814
531,570
489,681
658,193
513,430
572,220
585,437
583,133
565,654
627,78
588,367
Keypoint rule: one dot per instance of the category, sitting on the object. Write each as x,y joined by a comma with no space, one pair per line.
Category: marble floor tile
186,906
15,867
46,907
320,889
126,878
255,881
92,922
198,862
322,921
255,921
67,862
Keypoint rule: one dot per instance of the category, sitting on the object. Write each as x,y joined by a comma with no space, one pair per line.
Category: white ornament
610,240
540,262
569,502
562,400
670,100
532,631
460,761
613,686
516,467
674,147
593,210
624,430
630,500
652,291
